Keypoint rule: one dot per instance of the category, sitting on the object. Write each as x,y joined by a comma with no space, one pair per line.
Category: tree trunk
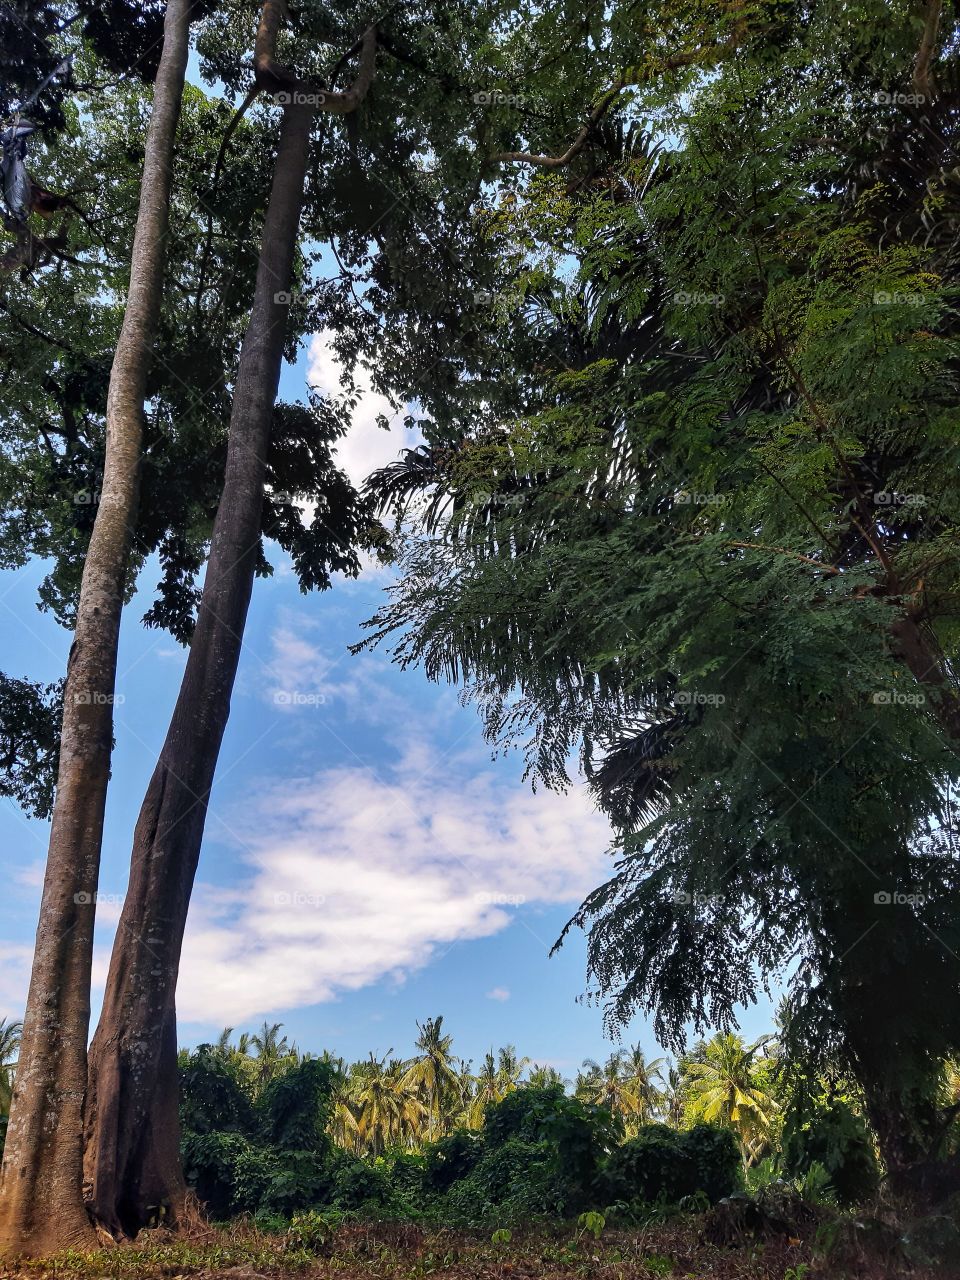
131,1126
41,1204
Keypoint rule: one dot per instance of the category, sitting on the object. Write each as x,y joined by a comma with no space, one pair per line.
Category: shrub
229,1173
573,1136
831,1133
300,1180
295,1107
655,1164
715,1155
510,1182
211,1096
451,1158
359,1183
408,1176
667,1164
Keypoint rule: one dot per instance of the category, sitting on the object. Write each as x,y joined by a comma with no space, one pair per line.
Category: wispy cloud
350,877
498,993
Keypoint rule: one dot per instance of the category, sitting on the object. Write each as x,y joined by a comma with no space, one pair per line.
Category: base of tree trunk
132,1159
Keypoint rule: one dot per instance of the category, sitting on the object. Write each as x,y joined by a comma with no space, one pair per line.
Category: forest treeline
404,1127
669,290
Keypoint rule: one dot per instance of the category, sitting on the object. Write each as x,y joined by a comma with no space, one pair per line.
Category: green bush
408,1177
667,1164
295,1107
574,1138
451,1158
358,1183
301,1180
211,1095
715,1155
239,1156
229,1173
511,1182
831,1133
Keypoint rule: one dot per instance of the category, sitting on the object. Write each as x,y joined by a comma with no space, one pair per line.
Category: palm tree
432,1074
673,1099
374,1098
272,1049
10,1033
640,1080
487,1089
510,1068
542,1077
606,1086
465,1090
342,1123
723,1089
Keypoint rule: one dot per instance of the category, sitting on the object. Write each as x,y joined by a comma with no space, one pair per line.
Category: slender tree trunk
132,1158
41,1204
131,1124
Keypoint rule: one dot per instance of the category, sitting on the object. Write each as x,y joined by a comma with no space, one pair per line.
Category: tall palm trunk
41,1205
131,1123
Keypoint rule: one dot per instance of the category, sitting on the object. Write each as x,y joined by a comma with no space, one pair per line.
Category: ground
401,1252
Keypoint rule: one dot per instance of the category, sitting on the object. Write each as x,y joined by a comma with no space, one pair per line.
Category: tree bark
41,1203
131,1126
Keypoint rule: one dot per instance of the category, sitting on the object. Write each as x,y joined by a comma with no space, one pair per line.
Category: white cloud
348,877
366,446
498,993
15,961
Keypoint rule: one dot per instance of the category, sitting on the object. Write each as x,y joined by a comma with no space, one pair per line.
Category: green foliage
706,536
669,1164
295,1107
312,1231
211,1094
452,1158
591,1223
829,1133
359,1183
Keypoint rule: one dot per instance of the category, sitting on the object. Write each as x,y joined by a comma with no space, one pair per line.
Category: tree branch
922,81
634,76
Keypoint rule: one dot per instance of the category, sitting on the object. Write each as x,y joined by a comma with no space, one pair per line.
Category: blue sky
366,864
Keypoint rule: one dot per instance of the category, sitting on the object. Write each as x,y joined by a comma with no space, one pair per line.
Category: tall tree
40,1190
132,1156
725,1089
717,557
432,1072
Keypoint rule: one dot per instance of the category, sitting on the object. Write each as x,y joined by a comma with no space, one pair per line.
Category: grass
396,1251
